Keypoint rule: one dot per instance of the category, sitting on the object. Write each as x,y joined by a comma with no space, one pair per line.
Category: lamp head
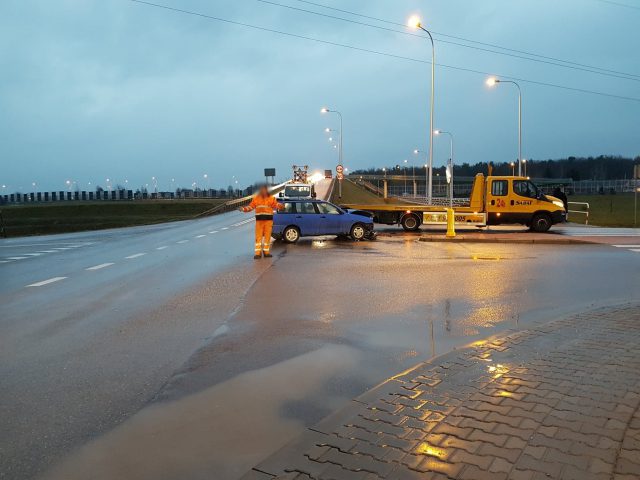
414,22
437,132
324,110
492,81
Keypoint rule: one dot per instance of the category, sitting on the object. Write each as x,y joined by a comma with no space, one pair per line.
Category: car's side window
499,188
327,209
306,207
289,207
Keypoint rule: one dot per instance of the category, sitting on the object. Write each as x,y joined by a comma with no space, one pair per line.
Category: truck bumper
558,217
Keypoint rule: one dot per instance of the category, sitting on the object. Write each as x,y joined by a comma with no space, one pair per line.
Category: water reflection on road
326,322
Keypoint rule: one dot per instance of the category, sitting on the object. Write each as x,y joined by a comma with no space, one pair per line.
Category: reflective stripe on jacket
263,206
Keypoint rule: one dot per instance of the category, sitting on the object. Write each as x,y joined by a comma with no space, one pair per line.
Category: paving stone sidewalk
557,401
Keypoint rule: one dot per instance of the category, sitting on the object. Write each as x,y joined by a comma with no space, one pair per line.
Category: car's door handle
512,203
493,202
322,216
298,216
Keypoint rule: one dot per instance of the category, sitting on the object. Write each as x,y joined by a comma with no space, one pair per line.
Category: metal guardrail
238,202
330,191
584,212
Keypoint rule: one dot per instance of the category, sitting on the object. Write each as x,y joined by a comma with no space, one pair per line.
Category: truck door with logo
497,201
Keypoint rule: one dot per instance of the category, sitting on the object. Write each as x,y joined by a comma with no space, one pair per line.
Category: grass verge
43,219
606,210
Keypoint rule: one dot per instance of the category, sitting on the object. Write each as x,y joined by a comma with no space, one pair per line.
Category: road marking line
31,254
48,251
98,267
635,250
626,246
224,228
16,258
162,248
214,231
200,236
136,255
5,261
183,241
46,282
64,248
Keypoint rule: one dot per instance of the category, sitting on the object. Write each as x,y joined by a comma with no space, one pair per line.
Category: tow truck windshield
297,191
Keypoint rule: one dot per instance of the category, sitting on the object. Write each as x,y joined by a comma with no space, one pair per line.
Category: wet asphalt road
193,360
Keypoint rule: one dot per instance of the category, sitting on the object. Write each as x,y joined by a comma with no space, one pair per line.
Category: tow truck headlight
558,203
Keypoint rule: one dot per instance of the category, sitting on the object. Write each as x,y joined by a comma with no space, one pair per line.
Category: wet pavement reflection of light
331,319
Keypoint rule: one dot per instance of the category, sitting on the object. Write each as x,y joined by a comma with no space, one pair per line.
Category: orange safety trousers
263,231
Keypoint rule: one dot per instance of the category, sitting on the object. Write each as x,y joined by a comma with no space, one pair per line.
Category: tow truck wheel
540,222
358,232
410,222
291,235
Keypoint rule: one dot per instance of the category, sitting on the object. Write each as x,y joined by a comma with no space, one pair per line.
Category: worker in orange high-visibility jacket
264,204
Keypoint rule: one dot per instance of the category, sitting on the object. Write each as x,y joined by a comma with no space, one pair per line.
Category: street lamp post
415,22
326,110
442,132
492,81
513,169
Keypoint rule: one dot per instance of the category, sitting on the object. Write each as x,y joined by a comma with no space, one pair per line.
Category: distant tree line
604,167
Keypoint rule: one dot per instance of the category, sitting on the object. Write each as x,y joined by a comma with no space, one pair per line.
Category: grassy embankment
604,210
353,194
80,216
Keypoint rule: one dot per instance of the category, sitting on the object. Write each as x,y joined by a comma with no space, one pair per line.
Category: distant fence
237,203
402,185
113,195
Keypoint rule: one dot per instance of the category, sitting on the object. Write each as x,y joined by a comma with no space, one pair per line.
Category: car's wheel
358,232
541,222
291,234
410,222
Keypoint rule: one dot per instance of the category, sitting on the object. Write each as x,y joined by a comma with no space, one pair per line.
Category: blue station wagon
308,218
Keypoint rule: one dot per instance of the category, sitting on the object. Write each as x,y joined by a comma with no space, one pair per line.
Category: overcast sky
91,89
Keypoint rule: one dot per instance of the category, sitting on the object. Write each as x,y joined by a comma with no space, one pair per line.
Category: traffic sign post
340,176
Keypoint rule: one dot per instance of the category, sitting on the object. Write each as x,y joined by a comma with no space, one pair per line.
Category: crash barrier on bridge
330,191
583,210
237,203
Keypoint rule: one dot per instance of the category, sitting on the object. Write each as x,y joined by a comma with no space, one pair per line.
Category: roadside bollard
451,220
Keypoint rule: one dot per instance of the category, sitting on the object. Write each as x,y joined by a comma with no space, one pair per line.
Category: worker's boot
257,257
267,255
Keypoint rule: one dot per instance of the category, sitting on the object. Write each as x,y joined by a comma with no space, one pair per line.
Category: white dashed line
626,246
31,254
183,241
637,250
162,248
47,251
224,228
136,255
200,236
214,231
5,261
46,282
16,258
98,267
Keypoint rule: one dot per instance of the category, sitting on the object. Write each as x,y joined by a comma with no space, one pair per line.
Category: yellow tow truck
494,200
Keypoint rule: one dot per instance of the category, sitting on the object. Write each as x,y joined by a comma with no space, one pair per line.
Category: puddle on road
196,436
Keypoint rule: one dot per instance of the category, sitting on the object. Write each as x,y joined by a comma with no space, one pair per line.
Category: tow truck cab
515,200
298,191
